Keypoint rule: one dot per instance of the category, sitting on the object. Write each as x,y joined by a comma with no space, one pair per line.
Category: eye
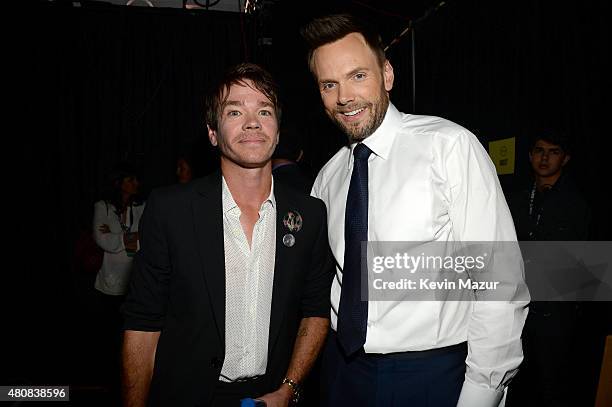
328,85
265,113
359,76
233,113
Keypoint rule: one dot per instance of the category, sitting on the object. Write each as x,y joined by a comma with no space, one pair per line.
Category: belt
244,380
459,347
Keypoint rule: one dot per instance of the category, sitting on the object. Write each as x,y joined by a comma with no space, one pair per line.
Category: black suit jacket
178,286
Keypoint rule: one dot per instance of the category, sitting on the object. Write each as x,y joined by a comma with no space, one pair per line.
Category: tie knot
361,152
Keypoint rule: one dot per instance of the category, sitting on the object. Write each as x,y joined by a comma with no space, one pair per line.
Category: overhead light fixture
148,2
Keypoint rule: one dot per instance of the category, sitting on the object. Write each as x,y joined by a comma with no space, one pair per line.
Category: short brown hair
261,79
331,28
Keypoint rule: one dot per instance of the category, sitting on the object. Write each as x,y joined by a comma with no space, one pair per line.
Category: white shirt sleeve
316,186
479,212
109,242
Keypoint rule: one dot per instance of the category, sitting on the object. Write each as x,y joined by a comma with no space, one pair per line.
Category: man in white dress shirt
419,179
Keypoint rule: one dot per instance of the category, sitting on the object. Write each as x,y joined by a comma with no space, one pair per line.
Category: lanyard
125,227
532,205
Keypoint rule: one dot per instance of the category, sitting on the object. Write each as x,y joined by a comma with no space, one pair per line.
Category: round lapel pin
288,240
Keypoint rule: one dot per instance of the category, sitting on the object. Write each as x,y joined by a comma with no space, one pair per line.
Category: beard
361,130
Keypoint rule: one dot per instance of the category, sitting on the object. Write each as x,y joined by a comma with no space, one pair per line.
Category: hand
104,228
279,398
130,241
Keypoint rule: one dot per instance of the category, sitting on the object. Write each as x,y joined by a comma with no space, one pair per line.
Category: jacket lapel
208,225
282,271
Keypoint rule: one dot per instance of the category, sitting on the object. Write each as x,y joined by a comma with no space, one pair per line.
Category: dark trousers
418,379
107,342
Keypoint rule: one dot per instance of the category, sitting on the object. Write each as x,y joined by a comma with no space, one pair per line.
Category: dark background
100,83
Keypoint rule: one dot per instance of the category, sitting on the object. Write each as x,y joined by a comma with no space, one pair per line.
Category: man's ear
212,136
388,75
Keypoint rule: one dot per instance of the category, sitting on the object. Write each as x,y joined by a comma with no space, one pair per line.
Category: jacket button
215,362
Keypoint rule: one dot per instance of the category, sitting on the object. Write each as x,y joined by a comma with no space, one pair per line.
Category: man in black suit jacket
176,331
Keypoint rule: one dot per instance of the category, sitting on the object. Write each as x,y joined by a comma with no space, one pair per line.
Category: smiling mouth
353,113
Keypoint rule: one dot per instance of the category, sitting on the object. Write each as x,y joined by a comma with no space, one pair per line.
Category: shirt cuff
473,395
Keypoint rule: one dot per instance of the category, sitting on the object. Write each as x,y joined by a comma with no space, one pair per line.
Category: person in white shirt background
115,226
414,179
115,231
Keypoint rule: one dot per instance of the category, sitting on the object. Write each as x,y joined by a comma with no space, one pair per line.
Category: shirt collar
381,141
228,200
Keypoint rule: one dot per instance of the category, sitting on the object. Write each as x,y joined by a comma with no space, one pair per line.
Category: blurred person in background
550,208
115,231
287,159
184,169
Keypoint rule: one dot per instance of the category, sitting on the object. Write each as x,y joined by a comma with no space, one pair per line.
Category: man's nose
345,95
252,122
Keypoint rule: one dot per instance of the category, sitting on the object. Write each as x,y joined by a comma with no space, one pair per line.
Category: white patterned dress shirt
249,276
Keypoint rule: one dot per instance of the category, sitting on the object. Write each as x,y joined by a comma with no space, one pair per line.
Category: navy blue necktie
353,312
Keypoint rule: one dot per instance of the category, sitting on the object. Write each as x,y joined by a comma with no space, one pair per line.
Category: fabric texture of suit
178,286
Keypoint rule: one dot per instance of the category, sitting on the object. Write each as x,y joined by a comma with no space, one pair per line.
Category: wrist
293,389
286,391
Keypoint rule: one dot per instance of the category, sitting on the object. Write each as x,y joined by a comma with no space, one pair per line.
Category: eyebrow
348,75
550,149
239,103
357,70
